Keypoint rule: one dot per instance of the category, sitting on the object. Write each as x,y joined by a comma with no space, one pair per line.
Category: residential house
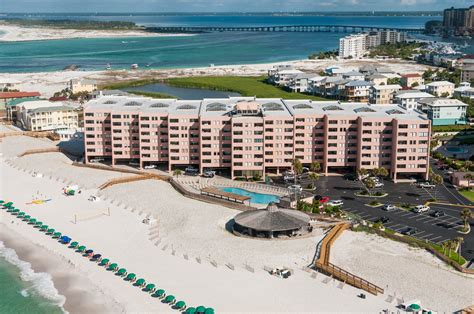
377,79
467,73
301,82
462,179
383,94
411,80
440,88
353,76
8,101
356,91
43,115
408,99
444,111
464,90
82,85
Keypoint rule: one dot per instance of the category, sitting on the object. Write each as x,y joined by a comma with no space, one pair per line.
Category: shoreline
62,274
11,33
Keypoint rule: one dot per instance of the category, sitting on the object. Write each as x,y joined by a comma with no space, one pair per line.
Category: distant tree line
75,24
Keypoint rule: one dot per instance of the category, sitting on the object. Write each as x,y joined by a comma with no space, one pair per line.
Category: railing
323,263
129,179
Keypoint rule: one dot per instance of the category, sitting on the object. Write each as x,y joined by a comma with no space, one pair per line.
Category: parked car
388,207
449,171
150,167
321,199
426,185
351,177
305,170
383,220
209,174
438,213
379,184
408,231
288,178
295,188
96,160
421,209
335,203
191,171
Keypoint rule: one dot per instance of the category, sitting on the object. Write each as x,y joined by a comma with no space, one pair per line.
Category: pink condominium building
244,136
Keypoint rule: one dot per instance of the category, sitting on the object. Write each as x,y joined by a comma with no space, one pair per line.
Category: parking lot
425,225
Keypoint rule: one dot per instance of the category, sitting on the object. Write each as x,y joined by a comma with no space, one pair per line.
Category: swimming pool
453,149
257,198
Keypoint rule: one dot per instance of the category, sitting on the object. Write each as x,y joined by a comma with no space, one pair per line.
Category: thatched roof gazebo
272,222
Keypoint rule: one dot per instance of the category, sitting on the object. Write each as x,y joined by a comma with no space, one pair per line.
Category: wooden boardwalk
323,263
129,179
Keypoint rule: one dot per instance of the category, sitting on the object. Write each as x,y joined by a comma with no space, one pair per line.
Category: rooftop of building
211,107
40,103
389,86
442,102
411,75
412,93
440,83
359,83
84,81
9,95
51,108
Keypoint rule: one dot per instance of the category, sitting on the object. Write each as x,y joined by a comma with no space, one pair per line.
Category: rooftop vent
133,104
394,111
159,105
364,109
271,106
332,108
302,106
110,102
186,107
216,107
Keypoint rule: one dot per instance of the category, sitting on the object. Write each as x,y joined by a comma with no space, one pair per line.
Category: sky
52,6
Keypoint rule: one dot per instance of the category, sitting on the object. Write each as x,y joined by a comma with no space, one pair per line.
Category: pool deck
210,191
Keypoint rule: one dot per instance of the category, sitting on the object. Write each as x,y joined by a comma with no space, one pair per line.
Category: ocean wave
41,282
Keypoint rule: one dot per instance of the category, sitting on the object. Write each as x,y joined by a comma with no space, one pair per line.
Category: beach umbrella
51,230
82,248
8,205
180,305
104,262
27,217
2,201
140,282
190,310
415,307
130,277
15,211
160,293
95,257
65,239
44,228
89,251
32,221
38,224
200,309
73,245
21,214
57,235
121,272
150,287
170,298
113,266
209,310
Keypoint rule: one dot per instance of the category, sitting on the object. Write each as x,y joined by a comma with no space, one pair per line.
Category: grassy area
450,128
152,94
244,85
452,255
467,194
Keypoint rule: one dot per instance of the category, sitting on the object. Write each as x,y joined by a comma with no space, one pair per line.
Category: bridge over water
282,28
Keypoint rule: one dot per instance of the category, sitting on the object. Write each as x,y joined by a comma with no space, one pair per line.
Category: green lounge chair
50,231
104,262
200,309
209,310
160,293
32,221
44,228
57,235
21,214
190,310
73,245
38,224
27,217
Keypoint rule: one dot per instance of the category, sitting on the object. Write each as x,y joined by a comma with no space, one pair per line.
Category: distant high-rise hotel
461,19
355,46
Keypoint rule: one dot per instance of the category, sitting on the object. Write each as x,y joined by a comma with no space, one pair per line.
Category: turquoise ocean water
218,48
24,291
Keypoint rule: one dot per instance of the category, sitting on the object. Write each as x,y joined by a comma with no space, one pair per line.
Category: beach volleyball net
91,214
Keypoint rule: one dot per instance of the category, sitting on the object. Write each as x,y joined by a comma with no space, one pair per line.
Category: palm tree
445,246
315,166
468,164
361,173
313,176
177,173
297,166
459,240
383,172
369,184
466,214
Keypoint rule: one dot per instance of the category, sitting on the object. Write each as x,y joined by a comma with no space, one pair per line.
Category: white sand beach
47,83
190,254
11,33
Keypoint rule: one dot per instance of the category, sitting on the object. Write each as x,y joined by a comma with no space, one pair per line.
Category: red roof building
14,95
